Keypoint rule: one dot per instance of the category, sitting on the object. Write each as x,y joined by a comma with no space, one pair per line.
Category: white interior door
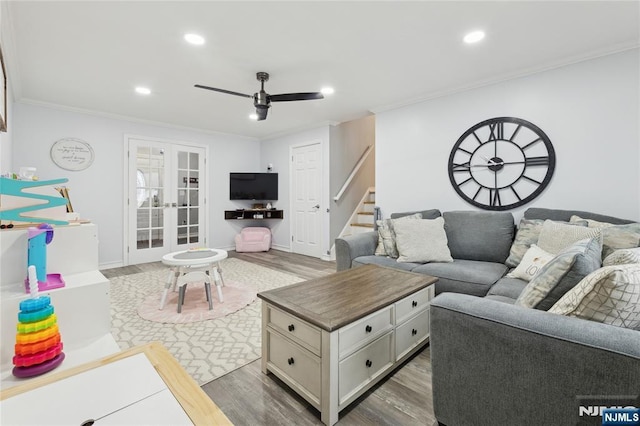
306,190
166,206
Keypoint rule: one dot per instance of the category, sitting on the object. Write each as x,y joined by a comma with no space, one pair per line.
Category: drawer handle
368,329
414,304
291,327
368,363
290,361
414,332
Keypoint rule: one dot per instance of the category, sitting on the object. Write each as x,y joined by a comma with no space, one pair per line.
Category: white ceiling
91,55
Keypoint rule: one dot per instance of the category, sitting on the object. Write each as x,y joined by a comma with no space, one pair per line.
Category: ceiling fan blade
228,92
285,97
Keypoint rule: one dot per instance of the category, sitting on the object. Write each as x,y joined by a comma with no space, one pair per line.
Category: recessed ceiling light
194,39
327,90
474,37
143,90
253,116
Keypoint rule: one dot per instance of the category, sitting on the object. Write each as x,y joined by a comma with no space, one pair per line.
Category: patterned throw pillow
610,295
623,257
387,237
561,274
422,241
534,259
615,237
528,232
556,236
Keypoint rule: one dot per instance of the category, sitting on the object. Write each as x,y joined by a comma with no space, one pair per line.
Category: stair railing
354,172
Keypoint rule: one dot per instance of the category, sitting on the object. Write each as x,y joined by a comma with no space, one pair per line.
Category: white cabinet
330,369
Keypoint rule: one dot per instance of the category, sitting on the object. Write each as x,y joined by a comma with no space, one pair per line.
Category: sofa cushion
528,233
463,276
475,235
426,214
508,287
561,274
503,299
532,261
421,240
383,261
610,295
565,215
556,236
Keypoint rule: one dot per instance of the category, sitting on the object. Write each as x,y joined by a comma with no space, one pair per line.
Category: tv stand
253,214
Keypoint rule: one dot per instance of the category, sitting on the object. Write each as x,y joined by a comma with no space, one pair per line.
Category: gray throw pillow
422,241
561,274
610,295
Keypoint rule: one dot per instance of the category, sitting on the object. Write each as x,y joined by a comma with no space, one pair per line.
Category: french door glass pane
149,197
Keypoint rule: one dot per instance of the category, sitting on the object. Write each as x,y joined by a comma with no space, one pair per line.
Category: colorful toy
15,188
38,346
37,256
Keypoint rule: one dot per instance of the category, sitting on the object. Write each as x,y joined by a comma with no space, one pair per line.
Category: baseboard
281,248
110,265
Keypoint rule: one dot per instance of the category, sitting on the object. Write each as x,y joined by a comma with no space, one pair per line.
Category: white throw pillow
556,236
623,257
422,241
534,259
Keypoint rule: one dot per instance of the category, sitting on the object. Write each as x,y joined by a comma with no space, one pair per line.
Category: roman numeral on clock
462,167
536,161
494,197
496,131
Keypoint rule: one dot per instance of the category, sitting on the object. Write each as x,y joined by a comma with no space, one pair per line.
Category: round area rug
196,308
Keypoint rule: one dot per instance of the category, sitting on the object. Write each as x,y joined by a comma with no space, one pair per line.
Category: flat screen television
253,186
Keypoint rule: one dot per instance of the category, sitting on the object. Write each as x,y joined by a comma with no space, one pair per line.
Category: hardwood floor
249,397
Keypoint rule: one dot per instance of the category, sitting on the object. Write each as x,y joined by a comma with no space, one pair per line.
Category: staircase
362,219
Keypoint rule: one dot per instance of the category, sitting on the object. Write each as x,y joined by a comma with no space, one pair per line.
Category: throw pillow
615,237
622,257
386,234
422,241
556,236
561,274
610,295
528,232
532,261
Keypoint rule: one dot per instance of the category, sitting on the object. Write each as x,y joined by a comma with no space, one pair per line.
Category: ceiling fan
262,100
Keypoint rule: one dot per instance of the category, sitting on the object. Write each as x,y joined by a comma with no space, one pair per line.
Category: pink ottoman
253,239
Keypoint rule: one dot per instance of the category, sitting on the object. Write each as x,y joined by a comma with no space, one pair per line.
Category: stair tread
367,213
363,225
369,202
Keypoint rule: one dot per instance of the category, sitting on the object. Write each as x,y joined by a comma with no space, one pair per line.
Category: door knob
317,206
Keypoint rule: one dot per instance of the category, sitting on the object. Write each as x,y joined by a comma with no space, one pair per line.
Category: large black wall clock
501,163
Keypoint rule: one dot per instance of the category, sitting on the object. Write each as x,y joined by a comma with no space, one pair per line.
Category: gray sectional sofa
500,364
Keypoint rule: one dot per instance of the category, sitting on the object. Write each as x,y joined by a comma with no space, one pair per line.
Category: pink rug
196,308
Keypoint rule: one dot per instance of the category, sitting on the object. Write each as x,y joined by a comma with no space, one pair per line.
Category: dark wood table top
339,299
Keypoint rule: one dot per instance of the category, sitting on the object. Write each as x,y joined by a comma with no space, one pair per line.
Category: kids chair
252,239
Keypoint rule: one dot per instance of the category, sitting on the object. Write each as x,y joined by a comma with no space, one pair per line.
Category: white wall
589,110
277,152
97,192
5,137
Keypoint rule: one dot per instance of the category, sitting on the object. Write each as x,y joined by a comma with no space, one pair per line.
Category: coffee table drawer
365,330
411,333
359,369
295,329
301,367
412,304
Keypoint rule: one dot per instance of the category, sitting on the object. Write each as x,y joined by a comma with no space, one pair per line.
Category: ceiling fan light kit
262,100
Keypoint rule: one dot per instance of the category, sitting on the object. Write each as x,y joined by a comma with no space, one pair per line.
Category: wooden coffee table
330,339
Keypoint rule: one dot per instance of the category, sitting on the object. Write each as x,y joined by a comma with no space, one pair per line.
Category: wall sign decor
501,163
72,154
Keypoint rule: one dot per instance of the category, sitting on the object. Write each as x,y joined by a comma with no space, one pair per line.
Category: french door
166,207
